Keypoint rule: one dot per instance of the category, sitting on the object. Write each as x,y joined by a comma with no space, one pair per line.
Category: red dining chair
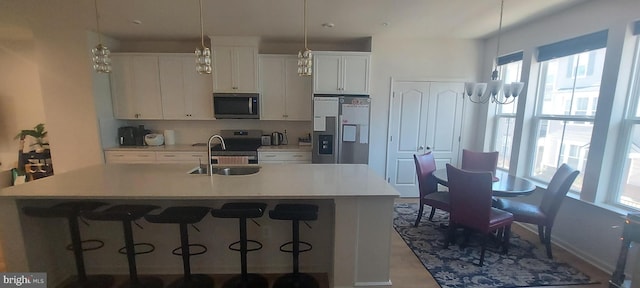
480,161
544,214
428,186
471,201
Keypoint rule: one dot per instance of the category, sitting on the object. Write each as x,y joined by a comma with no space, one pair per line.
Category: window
509,68
628,193
567,96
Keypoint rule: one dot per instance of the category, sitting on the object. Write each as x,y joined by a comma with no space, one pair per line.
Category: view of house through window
505,117
568,93
629,192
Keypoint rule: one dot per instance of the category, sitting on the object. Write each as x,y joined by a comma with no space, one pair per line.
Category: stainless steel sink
231,170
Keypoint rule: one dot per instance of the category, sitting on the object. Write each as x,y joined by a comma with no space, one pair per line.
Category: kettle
277,138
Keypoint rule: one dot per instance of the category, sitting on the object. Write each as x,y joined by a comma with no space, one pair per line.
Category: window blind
506,59
572,46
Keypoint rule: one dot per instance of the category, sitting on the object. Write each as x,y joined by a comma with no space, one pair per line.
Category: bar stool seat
243,211
295,213
127,214
184,215
71,211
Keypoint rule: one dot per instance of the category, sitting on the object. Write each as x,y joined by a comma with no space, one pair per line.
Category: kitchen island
351,237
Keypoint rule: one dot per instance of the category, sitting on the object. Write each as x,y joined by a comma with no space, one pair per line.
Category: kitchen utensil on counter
266,140
277,138
169,137
127,136
154,139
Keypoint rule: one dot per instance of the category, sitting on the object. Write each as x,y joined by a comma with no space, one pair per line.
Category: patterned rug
525,265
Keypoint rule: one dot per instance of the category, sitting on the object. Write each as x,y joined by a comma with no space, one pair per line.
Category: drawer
284,156
185,157
130,157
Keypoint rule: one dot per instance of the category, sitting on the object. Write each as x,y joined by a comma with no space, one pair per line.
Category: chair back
556,191
479,161
425,165
470,193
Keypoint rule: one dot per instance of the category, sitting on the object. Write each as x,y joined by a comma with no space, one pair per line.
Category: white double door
424,116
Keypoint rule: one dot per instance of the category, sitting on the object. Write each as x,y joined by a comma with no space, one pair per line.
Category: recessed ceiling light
136,21
385,24
328,25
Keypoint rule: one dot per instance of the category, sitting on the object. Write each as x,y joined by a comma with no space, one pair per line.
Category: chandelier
305,58
100,54
203,54
482,92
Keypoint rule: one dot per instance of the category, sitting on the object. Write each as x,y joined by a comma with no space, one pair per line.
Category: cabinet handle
270,156
168,156
145,156
297,156
117,155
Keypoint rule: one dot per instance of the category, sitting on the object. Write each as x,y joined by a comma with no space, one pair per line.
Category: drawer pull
270,156
169,155
297,155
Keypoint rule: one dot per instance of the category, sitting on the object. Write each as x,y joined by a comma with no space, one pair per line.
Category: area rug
525,265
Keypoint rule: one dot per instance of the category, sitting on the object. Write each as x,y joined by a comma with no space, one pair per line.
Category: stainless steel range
239,143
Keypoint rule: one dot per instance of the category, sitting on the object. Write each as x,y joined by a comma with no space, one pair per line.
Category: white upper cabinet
284,94
235,69
186,94
341,73
135,87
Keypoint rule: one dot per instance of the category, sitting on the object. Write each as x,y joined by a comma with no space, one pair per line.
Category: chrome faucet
224,147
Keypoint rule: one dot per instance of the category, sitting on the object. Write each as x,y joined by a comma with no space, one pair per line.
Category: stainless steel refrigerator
341,129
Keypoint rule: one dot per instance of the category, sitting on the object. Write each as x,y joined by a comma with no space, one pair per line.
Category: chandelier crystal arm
305,58
203,54
100,55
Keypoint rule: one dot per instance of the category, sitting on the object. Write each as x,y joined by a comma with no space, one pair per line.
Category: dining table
504,184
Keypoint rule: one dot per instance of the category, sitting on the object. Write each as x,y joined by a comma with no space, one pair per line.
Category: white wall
21,104
416,59
588,230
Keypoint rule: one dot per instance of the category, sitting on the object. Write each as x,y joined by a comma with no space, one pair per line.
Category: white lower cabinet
130,156
284,157
181,157
155,157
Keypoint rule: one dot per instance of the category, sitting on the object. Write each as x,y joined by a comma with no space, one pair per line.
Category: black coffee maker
132,136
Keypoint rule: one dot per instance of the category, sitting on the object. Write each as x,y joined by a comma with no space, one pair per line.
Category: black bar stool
295,213
185,215
127,214
243,211
71,211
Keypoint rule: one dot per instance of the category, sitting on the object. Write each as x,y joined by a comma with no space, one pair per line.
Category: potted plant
38,133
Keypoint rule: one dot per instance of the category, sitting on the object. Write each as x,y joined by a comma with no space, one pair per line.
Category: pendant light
101,54
305,58
482,92
203,54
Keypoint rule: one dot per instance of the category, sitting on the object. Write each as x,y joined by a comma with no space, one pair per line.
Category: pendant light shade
101,56
305,58
203,54
483,92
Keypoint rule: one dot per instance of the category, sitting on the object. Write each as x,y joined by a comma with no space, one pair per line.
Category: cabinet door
146,87
173,85
298,102
198,91
121,78
326,74
272,87
245,74
194,158
355,74
223,69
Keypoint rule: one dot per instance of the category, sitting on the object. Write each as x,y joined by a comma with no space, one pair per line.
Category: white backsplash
189,132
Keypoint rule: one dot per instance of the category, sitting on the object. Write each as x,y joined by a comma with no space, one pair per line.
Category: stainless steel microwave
236,106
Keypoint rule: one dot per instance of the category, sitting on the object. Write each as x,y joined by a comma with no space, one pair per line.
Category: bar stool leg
184,242
76,242
296,246
131,256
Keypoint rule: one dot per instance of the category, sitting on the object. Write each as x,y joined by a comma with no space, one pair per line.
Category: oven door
236,106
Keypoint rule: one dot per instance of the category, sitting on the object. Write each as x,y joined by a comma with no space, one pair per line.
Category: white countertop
171,181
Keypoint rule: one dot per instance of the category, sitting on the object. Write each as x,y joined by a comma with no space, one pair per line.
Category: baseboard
586,257
386,284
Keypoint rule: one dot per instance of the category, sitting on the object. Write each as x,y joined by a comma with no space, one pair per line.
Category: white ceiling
278,19
283,19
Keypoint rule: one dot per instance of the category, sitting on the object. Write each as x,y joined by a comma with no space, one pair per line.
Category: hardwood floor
408,272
